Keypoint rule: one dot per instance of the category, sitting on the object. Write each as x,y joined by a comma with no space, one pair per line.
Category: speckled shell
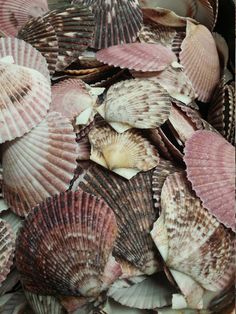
65,244
44,304
24,100
39,164
126,154
7,247
15,13
133,206
117,21
210,162
135,103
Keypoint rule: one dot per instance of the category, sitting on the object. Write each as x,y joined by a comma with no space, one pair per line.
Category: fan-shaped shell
14,221
200,60
44,304
135,103
137,56
39,164
65,245
25,95
210,168
132,203
126,153
7,247
23,54
15,13
117,21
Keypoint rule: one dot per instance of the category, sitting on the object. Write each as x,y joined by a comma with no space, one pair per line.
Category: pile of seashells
117,139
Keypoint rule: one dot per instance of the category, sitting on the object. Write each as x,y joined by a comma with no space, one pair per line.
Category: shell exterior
200,60
125,154
205,13
132,203
135,103
15,13
137,56
34,171
10,282
65,245
117,22
7,247
25,95
23,54
195,246
14,221
44,304
13,303
112,307
210,168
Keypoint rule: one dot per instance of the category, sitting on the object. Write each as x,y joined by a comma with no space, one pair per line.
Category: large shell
39,164
25,95
23,54
65,244
44,304
195,246
138,56
133,206
200,60
7,247
126,154
210,162
135,103
117,21
15,13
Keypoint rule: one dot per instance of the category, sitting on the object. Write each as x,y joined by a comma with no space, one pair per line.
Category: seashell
135,103
14,221
14,302
24,101
125,154
137,56
23,54
73,229
57,4
151,293
223,51
205,13
15,13
44,304
133,206
117,22
7,248
112,307
198,250
33,172
215,7
210,168
200,60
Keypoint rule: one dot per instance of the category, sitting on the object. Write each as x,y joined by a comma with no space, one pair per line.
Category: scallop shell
23,54
7,247
198,250
44,304
65,244
210,168
10,282
112,307
39,164
14,221
125,154
117,21
24,100
205,13
15,13
135,103
137,56
223,51
13,303
133,206
200,60
56,4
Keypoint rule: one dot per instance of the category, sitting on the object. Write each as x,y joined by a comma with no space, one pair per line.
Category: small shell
135,103
7,247
15,13
117,22
126,154
14,302
23,54
44,304
205,13
39,164
24,100
59,232
133,206
210,168
138,56
200,60
198,250
14,221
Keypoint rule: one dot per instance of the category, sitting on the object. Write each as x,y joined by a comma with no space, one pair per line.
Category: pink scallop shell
210,168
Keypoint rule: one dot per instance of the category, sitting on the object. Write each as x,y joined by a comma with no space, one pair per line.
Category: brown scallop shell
39,164
65,244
